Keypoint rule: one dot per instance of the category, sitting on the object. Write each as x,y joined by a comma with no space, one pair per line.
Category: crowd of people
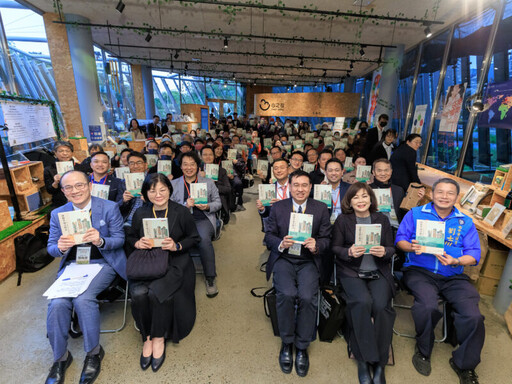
295,158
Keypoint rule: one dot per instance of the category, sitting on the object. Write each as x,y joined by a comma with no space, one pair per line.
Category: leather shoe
92,367
363,372
378,374
302,362
286,357
157,363
58,371
145,362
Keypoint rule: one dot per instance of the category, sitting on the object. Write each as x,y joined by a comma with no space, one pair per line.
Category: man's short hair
156,116
136,154
325,151
61,143
99,153
300,153
279,160
383,116
334,160
165,145
446,180
382,160
191,155
73,171
207,147
298,173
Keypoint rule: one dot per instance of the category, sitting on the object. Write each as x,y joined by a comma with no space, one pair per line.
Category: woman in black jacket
163,308
404,162
365,276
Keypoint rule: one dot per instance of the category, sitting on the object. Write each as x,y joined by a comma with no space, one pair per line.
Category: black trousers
468,321
154,319
296,282
366,299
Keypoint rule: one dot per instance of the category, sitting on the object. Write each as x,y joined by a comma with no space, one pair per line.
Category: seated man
138,164
100,165
297,270
105,247
429,276
318,175
165,152
204,214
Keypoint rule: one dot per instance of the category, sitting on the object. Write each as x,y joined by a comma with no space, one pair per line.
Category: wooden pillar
138,91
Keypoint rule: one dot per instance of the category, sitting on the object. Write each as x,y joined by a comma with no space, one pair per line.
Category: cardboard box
79,143
487,285
411,199
495,261
5,215
474,271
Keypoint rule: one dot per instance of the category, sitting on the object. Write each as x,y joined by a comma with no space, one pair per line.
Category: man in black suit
296,269
153,129
318,175
100,165
375,135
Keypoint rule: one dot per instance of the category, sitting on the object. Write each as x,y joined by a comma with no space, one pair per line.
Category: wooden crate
36,169
79,144
5,215
22,198
21,179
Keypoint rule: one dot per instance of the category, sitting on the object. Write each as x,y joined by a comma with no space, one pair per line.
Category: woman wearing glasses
163,307
365,276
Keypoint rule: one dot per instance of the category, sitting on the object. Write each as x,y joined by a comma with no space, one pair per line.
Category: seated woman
366,281
164,308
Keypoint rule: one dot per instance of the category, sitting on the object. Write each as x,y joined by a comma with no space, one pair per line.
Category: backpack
31,252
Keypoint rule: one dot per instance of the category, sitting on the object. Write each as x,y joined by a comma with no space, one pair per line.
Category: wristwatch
178,247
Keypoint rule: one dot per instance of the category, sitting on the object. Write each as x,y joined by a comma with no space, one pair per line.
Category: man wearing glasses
137,163
103,244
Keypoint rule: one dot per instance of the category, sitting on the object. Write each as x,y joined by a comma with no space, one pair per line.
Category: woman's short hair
151,181
347,209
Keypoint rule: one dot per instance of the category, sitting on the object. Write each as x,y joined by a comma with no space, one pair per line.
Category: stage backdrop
313,104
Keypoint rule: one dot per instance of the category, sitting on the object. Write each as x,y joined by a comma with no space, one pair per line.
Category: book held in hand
384,199
232,154
199,192
263,166
308,167
152,160
121,171
228,166
267,143
368,236
164,167
211,171
301,227
100,190
134,182
75,223
64,166
348,166
156,230
363,173
322,193
267,192
430,235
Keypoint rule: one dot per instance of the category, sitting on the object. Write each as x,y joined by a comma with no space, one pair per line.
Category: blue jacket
107,219
461,238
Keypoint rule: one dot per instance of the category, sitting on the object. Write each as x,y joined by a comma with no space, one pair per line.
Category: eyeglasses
140,162
77,186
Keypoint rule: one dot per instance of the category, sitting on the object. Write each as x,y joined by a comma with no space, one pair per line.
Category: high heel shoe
145,362
157,363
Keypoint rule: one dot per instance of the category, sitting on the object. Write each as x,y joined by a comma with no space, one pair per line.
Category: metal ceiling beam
222,35
226,52
236,4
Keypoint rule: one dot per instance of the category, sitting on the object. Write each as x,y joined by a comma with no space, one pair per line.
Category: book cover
328,141
100,190
363,173
134,182
152,160
120,148
494,214
199,192
121,171
164,167
211,171
75,223
267,192
228,166
64,166
267,143
256,141
156,230
309,137
241,148
316,143
232,154
368,235
348,166
263,166
298,144
110,154
322,193
308,167
176,139
287,148
430,234
301,227
384,199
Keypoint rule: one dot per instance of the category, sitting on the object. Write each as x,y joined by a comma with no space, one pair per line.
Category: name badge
334,216
83,255
295,249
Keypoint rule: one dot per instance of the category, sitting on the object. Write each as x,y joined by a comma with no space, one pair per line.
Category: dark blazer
377,152
405,172
316,176
58,197
372,138
279,223
224,187
343,237
153,130
397,195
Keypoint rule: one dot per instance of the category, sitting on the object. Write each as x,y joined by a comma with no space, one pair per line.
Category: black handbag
269,303
331,313
147,264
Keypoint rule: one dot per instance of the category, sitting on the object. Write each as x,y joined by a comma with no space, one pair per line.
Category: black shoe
378,374
92,367
363,372
145,362
466,376
421,362
58,371
302,362
157,363
286,357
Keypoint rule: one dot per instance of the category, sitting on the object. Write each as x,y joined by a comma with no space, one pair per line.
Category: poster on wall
499,100
95,132
374,94
26,122
452,107
419,119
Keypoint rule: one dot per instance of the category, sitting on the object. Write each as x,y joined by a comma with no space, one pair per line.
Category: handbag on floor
269,303
331,313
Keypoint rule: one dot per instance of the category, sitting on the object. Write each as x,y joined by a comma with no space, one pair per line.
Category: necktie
300,209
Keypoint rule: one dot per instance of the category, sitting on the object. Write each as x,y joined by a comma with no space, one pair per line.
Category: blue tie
300,209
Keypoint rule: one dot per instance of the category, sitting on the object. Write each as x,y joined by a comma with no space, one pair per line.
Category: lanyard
283,196
186,186
335,203
103,180
166,210
293,209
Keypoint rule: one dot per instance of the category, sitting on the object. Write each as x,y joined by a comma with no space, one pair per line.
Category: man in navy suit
103,244
296,270
100,165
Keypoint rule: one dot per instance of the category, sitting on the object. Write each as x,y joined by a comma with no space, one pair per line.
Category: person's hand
259,205
203,207
92,236
324,182
378,251
168,244
56,181
190,202
421,193
287,242
231,176
202,173
65,243
127,196
416,247
356,251
274,200
234,161
260,174
170,177
144,243
310,244
446,259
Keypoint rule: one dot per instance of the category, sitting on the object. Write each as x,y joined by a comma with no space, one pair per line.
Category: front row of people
367,281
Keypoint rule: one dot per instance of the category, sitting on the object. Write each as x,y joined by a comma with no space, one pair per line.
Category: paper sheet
73,281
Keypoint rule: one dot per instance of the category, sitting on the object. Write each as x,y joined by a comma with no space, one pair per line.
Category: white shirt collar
86,208
296,206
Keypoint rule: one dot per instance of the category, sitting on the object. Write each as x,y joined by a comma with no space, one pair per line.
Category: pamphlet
164,167
363,173
301,227
73,281
176,139
228,166
64,166
298,144
309,137
134,182
267,143
211,171
156,230
100,190
308,167
348,166
368,236
267,192
241,148
256,141
430,235
316,143
121,171
328,141
152,160
263,166
110,154
323,193
75,223
199,192
494,214
384,199
232,154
